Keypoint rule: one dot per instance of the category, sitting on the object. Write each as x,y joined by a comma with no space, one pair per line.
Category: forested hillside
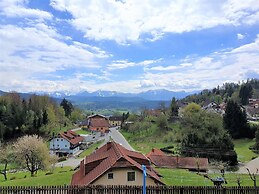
36,115
238,92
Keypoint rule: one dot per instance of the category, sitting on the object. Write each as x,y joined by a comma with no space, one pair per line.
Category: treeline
239,93
35,115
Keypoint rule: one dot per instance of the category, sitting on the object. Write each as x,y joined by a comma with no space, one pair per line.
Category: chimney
109,145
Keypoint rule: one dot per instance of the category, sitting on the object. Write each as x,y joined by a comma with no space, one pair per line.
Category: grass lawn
60,176
242,148
145,145
84,132
90,149
58,130
179,177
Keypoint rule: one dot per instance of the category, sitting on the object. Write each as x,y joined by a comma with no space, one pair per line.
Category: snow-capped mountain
156,95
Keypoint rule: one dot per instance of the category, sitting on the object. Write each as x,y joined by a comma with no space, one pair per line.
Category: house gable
110,156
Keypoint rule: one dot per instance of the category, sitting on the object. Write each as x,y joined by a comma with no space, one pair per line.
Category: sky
127,45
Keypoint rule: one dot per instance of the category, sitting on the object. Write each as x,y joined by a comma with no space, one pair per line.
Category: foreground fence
127,190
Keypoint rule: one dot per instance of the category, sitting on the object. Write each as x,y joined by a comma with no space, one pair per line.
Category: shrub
49,173
13,178
61,159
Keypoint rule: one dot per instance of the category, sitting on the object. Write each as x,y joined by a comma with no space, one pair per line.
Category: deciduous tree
6,157
32,152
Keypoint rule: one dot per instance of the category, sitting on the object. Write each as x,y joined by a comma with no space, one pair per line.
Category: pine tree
67,106
235,120
174,107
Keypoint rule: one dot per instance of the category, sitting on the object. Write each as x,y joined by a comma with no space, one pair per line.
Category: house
115,121
153,112
213,107
65,143
252,109
112,164
99,123
253,102
159,159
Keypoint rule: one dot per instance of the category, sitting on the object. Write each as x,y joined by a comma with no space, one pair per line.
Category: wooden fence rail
126,190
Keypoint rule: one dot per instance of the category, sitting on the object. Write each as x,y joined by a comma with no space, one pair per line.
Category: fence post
224,190
144,179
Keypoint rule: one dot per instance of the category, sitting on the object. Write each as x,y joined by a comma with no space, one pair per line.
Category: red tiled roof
71,136
179,162
99,122
156,152
111,155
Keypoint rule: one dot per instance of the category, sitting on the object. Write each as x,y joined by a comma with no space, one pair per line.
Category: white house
65,143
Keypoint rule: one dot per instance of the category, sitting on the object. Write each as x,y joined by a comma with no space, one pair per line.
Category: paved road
118,138
253,165
114,134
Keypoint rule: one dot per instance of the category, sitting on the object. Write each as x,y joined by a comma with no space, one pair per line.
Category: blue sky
127,45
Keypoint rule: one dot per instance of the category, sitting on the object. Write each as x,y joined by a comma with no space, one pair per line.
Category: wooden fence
127,190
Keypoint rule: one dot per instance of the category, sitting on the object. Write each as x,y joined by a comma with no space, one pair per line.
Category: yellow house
112,164
115,121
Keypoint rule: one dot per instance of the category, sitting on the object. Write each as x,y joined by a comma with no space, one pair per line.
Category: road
119,138
114,134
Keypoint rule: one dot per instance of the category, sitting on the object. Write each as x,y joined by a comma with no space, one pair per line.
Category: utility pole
144,179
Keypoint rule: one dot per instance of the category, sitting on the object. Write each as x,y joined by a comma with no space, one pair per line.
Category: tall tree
235,121
32,152
256,145
174,108
67,106
203,135
246,92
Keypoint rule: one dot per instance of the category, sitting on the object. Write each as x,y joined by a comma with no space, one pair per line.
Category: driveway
253,165
73,162
119,138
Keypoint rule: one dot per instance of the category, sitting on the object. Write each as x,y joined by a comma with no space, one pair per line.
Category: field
60,176
242,148
179,177
84,132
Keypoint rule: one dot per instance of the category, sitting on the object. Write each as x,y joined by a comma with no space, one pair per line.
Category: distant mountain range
154,95
114,100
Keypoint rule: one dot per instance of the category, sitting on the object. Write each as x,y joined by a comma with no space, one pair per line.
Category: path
73,162
251,165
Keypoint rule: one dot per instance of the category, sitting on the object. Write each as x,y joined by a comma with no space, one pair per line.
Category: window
61,139
110,175
57,139
65,145
131,176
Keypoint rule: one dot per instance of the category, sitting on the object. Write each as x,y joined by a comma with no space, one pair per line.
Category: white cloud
240,36
31,53
17,8
122,64
206,72
132,20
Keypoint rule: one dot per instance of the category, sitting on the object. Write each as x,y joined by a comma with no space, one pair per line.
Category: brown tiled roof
72,137
99,122
111,155
179,162
156,152
153,112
